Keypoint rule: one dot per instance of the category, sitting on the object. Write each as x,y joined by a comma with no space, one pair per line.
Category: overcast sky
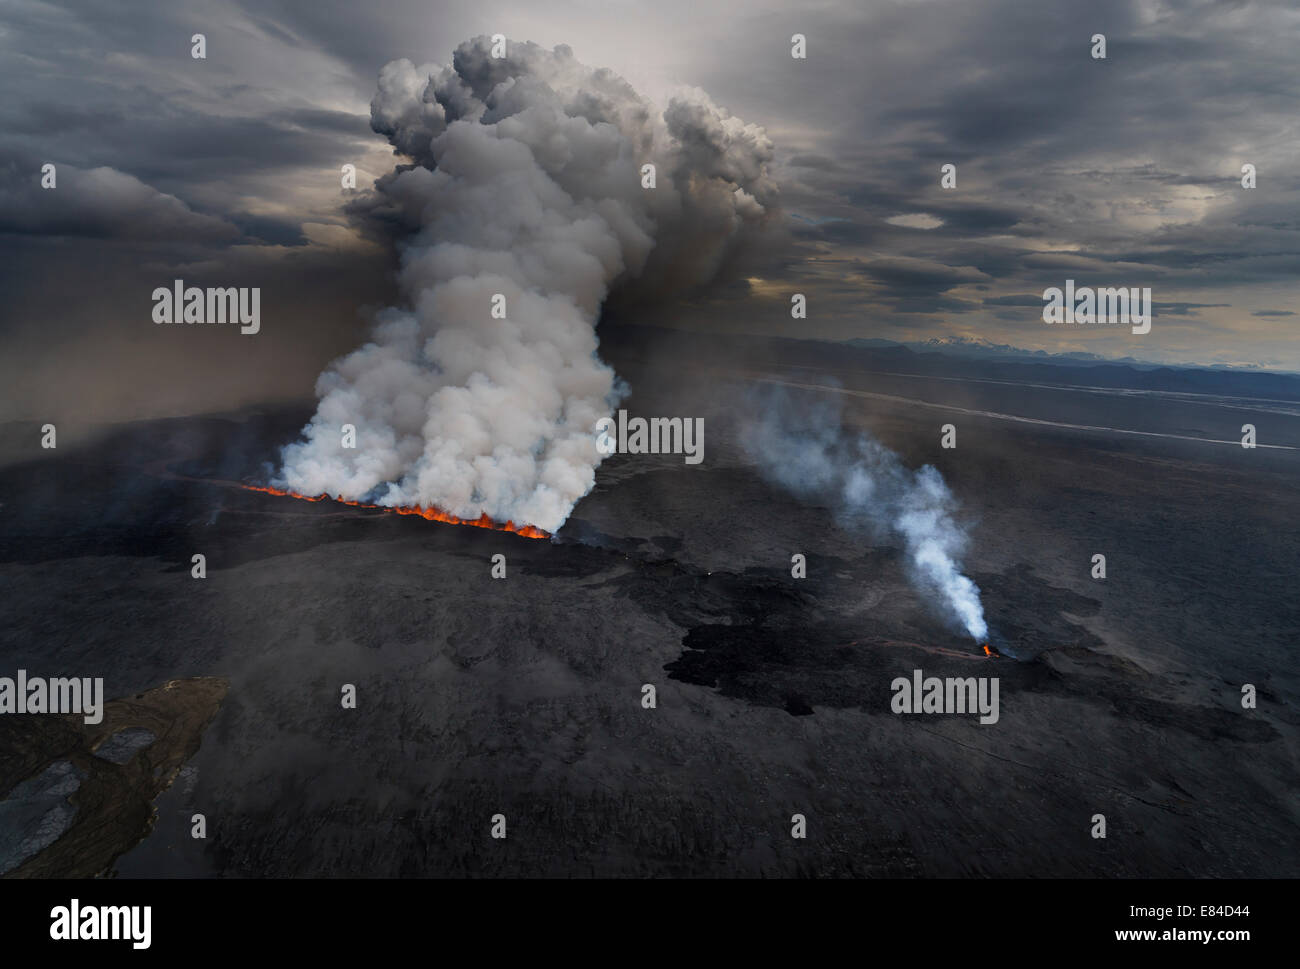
1117,172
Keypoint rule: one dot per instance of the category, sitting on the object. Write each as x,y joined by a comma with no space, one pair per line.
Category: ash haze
227,168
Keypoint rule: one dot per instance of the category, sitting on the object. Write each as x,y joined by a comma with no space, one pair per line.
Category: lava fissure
429,514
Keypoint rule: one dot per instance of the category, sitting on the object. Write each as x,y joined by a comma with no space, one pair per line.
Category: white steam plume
526,182
807,451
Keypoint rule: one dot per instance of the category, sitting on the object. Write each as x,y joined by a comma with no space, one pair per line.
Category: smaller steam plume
806,449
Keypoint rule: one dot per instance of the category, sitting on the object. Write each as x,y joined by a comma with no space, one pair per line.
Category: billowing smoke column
526,182
806,450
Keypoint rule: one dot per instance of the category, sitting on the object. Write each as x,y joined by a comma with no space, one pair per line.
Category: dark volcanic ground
522,696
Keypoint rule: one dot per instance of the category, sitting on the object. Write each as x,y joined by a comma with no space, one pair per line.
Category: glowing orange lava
430,514
987,651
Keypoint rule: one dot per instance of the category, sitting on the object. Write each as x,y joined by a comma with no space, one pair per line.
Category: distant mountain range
624,343
986,350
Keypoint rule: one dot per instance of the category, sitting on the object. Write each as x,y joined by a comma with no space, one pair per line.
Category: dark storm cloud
1117,172
265,228
175,148
1157,308
1181,309
1123,171
220,171
909,285
820,162
906,275
93,87
976,219
1017,299
101,203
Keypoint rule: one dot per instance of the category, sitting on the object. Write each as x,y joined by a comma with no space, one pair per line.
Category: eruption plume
526,182
807,450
